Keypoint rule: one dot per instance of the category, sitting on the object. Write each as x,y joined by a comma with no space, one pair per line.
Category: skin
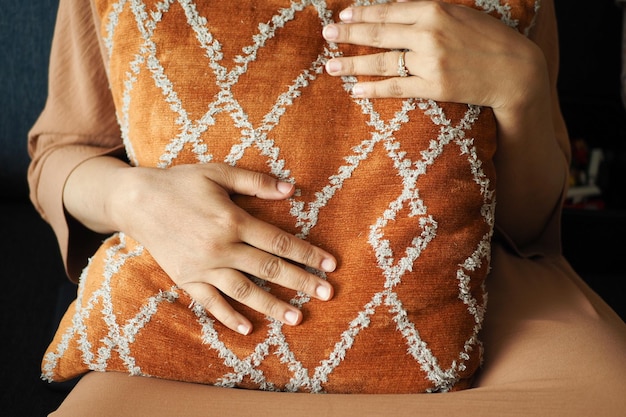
207,252
481,62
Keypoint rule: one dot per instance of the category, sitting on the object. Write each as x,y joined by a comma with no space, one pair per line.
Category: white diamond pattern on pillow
306,213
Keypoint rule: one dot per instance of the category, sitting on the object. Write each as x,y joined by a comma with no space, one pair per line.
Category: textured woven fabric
401,191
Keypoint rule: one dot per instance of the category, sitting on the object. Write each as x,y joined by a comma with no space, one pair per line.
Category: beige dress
552,346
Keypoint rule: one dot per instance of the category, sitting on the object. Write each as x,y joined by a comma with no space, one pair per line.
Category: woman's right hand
185,218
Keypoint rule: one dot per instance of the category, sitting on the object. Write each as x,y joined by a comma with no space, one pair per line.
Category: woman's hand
457,54
453,53
185,218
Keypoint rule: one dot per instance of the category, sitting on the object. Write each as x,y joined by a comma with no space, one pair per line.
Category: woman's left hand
453,53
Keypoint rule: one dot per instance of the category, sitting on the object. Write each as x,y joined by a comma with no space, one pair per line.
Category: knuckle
346,31
309,256
437,41
281,245
434,29
302,282
383,12
259,181
211,301
395,88
273,308
229,220
242,290
376,34
380,63
435,10
270,308
222,171
271,268
351,66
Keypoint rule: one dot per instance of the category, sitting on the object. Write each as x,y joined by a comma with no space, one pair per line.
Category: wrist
119,196
528,93
91,193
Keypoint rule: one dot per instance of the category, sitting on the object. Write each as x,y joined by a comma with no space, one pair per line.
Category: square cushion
401,191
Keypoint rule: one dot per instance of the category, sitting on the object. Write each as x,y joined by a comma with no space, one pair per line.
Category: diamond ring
403,71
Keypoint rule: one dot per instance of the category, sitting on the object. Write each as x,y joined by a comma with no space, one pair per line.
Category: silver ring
403,71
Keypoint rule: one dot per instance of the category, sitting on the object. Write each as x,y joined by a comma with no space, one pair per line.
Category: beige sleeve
77,123
544,34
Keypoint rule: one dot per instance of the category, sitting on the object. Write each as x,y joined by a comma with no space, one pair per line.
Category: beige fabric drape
553,347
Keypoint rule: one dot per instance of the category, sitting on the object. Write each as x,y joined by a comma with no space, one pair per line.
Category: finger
241,181
397,87
406,14
378,35
214,302
277,270
392,25
243,290
382,64
263,235
273,240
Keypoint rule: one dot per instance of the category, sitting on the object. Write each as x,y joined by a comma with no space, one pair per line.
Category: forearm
533,148
531,170
93,190
55,157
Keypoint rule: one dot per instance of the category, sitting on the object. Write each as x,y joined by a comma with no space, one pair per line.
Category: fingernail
346,15
328,265
243,329
322,292
291,317
330,32
358,91
284,187
333,66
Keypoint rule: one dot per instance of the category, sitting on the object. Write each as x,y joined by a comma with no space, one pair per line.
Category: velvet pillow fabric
401,191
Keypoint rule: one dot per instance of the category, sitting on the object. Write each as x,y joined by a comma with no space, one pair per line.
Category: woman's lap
552,348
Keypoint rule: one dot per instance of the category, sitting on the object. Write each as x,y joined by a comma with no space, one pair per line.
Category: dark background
589,86
31,272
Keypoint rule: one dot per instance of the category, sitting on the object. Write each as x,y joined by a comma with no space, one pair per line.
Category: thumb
242,181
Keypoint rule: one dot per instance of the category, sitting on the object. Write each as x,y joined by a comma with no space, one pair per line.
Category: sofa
36,291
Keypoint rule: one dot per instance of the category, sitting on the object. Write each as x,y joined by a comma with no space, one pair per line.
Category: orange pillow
402,191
